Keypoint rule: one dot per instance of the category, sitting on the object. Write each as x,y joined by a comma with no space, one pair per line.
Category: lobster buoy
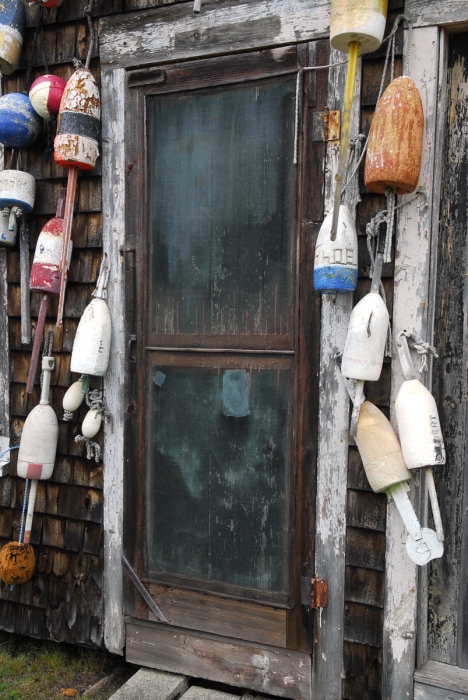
73,398
379,449
20,125
38,446
17,189
12,27
92,423
45,95
45,271
76,143
7,235
357,20
17,562
335,268
394,151
91,349
418,421
44,3
365,342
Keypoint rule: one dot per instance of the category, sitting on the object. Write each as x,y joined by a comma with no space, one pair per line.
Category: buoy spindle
345,131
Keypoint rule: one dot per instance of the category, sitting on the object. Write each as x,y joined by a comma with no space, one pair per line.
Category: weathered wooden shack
228,487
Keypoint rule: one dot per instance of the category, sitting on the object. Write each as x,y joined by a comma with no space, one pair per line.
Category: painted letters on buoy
17,195
20,125
46,94
335,269
12,27
394,151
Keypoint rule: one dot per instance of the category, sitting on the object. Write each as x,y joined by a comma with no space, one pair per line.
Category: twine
422,348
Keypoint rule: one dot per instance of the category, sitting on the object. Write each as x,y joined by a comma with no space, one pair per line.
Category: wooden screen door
220,435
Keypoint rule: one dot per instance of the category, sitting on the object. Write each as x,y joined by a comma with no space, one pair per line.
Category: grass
33,669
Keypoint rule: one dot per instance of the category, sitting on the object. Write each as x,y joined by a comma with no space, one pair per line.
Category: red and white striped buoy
44,3
38,446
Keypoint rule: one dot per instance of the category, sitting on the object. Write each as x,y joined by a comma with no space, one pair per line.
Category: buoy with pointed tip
46,94
91,349
20,125
394,150
46,277
335,268
12,28
357,20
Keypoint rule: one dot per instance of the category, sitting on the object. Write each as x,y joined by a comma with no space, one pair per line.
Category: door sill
437,681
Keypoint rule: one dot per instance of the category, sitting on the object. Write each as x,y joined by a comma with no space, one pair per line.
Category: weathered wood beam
445,12
410,311
333,445
113,206
176,32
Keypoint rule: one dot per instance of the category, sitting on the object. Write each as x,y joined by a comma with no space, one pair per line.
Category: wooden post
24,274
333,446
113,204
410,310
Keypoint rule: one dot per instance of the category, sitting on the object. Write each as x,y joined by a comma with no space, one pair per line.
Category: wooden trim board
175,33
113,207
410,311
441,681
224,616
440,12
258,667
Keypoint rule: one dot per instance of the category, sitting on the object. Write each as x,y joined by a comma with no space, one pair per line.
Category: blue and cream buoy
20,125
12,27
335,268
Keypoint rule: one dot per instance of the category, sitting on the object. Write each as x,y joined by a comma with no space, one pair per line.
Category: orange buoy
394,151
17,562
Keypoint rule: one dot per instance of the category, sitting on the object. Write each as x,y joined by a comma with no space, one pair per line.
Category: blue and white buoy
335,269
12,27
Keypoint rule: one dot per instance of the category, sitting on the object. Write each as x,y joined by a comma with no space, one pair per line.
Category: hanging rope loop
88,13
422,348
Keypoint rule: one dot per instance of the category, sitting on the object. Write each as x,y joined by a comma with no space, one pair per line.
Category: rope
32,56
88,11
422,348
354,154
391,48
95,402
390,195
47,352
93,451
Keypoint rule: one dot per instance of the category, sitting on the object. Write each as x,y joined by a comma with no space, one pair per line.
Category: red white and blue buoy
45,95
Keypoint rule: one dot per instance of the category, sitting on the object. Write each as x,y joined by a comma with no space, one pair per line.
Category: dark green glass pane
218,480
222,210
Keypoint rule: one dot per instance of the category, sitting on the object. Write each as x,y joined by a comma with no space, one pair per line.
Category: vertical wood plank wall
64,600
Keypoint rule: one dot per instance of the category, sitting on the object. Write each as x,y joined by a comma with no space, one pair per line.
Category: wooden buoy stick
24,274
434,504
67,227
37,343
30,513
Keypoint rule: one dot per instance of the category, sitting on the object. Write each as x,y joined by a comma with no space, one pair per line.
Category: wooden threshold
224,616
255,666
436,681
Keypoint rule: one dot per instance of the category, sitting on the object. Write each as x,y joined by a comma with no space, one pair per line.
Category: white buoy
17,192
335,268
7,235
92,423
91,349
73,398
38,446
357,20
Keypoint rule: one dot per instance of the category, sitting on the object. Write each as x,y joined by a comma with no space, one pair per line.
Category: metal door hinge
326,125
314,592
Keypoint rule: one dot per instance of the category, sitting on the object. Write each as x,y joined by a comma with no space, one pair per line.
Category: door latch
314,592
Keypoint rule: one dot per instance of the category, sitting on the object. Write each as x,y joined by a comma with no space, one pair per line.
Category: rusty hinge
326,125
314,592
